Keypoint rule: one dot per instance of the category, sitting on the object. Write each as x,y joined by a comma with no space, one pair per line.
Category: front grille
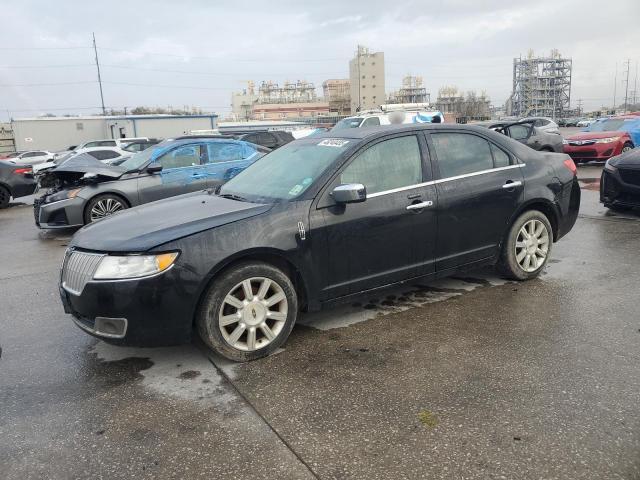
583,154
78,269
631,177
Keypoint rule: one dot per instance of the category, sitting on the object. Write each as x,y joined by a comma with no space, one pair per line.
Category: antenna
626,89
95,50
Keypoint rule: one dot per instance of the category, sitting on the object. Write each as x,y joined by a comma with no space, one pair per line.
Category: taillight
571,166
23,171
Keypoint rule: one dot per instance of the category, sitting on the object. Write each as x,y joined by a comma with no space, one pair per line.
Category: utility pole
626,90
635,85
579,106
95,50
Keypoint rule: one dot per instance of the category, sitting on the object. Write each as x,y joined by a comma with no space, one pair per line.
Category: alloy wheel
532,245
253,313
105,207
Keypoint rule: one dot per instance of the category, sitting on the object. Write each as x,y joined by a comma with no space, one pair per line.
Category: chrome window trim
443,180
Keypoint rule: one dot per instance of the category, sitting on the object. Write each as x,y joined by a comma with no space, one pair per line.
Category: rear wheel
102,206
626,147
248,312
527,247
5,196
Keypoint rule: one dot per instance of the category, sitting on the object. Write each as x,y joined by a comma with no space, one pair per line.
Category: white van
392,114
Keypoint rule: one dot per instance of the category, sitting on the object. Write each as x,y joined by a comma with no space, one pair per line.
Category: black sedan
15,181
316,222
620,181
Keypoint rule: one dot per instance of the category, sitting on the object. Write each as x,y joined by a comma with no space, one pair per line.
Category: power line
46,66
47,84
44,48
151,85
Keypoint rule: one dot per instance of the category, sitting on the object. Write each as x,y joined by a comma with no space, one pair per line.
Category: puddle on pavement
182,372
398,300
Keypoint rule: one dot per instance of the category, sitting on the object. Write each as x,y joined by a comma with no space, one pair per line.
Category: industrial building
412,91
337,93
366,73
58,133
541,86
275,102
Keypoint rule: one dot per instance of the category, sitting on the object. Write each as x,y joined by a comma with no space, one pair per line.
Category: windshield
610,125
285,173
351,122
135,161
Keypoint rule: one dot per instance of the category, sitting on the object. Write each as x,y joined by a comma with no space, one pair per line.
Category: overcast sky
196,52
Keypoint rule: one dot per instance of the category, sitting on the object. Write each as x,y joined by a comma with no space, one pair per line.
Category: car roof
379,131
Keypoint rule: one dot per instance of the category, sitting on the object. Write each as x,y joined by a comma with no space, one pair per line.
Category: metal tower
541,86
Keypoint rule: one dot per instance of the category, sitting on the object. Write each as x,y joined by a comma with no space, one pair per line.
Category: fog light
111,327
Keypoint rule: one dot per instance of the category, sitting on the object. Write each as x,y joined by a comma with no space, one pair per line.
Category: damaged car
83,189
526,132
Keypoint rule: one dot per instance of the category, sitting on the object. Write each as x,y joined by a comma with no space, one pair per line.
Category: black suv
270,140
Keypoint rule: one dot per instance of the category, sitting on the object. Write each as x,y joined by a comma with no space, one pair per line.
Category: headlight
608,140
132,266
63,195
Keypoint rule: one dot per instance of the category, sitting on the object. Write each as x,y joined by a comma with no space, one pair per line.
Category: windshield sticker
296,190
333,142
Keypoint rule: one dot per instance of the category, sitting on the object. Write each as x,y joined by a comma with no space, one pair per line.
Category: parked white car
392,114
585,123
32,157
108,155
543,123
110,142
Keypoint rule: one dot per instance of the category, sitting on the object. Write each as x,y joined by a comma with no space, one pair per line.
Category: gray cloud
196,52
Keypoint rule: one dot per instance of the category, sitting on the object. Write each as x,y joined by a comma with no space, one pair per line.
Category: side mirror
154,168
349,193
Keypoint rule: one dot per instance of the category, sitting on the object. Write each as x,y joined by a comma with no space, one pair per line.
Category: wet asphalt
471,377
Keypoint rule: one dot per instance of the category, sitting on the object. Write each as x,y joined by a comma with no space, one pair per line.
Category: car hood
594,135
142,228
630,159
85,163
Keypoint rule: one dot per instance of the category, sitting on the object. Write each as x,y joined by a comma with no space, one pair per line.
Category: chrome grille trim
78,269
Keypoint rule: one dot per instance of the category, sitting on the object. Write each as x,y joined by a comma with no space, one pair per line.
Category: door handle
419,206
511,184
198,175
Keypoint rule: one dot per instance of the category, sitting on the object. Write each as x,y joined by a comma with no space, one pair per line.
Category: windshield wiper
233,196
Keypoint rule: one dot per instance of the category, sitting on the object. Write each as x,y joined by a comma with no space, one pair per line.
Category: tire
626,147
237,330
5,197
516,248
108,202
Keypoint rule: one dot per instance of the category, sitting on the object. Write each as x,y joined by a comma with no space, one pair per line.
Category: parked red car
603,139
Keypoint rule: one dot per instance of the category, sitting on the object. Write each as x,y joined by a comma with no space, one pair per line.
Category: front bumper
61,214
620,187
154,311
592,152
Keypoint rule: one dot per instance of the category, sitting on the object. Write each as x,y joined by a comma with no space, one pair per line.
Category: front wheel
102,206
527,247
5,197
248,312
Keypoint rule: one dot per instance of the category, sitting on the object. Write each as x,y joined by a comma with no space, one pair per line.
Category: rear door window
223,152
519,132
461,153
386,165
500,158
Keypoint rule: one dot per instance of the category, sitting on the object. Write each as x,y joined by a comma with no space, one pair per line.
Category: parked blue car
83,189
623,123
